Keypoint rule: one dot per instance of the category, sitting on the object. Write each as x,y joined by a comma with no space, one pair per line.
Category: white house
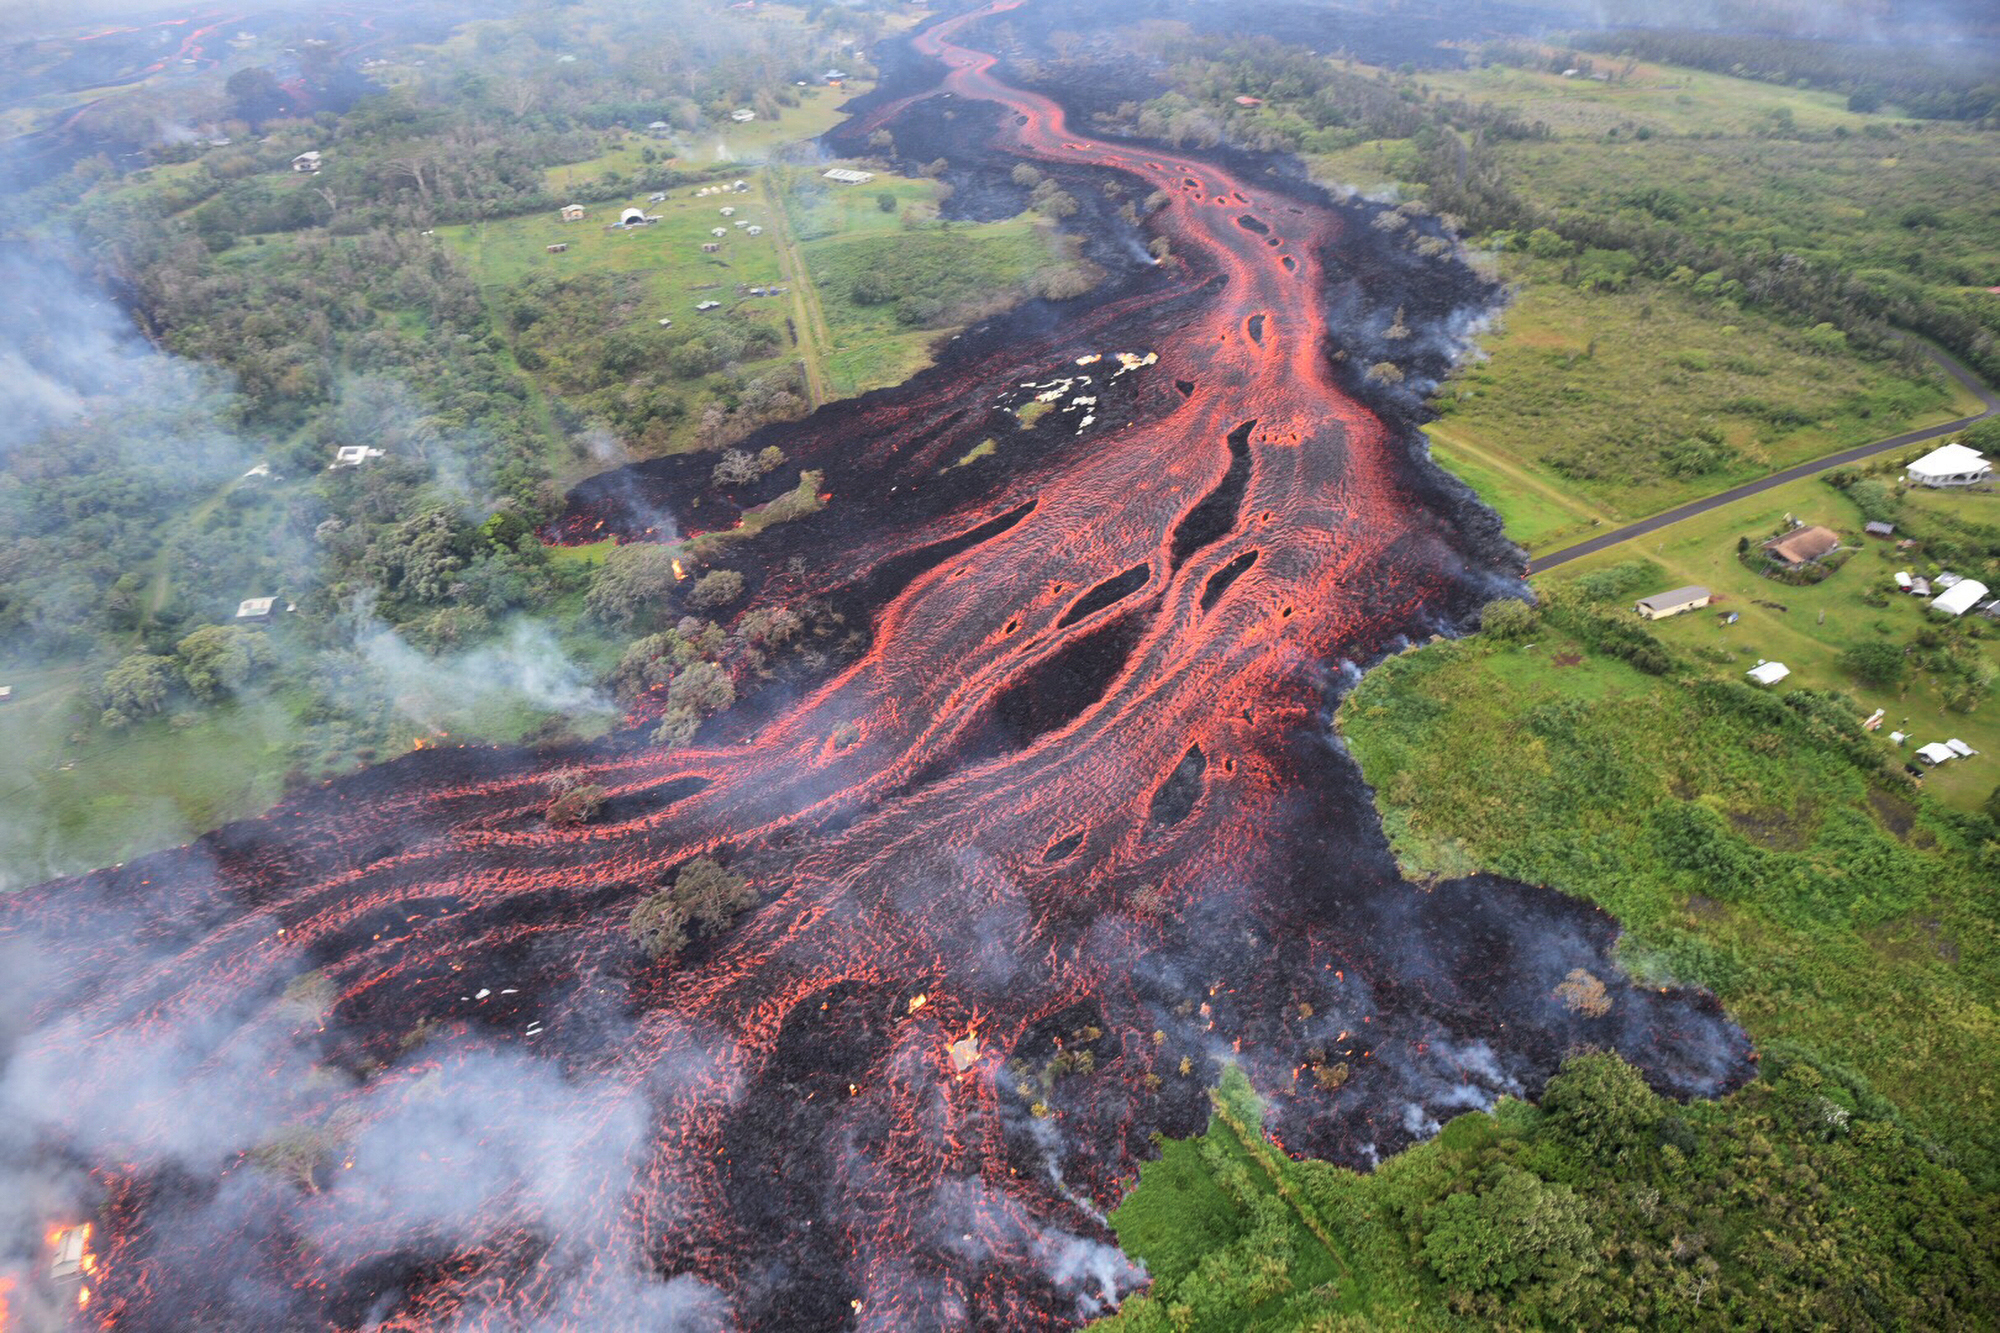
1960,597
1768,673
255,608
1663,604
308,162
1950,465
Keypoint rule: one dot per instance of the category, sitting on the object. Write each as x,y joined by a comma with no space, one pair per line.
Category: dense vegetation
1922,234
1802,1200
1939,81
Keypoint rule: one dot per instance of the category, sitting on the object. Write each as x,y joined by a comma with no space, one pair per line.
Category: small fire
918,1001
679,573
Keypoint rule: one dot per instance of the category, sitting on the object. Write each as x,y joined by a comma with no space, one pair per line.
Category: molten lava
388,1057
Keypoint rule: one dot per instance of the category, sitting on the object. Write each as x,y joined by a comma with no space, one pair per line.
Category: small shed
71,1249
1920,586
6,694
739,186
743,115
707,305
1804,546
1663,604
718,231
728,210
1960,748
354,455
1960,597
308,162
1879,529
572,212
632,217
754,230
1903,579
252,609
710,247
657,197
557,248
1950,465
1768,673
658,126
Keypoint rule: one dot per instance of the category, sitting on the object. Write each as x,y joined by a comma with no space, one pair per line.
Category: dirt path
807,317
1618,536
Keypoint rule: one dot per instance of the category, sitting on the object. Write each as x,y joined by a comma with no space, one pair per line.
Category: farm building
353,455
308,162
1663,604
849,176
1950,465
1768,673
1879,529
572,212
1804,546
1960,597
252,609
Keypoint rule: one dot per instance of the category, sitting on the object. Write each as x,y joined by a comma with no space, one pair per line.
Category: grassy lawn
1663,99
727,142
1819,622
1618,404
959,264
121,793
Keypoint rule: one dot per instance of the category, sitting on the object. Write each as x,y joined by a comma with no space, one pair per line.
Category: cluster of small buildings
734,187
1955,597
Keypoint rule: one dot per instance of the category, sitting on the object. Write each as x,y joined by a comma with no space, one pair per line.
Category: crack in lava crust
1126,818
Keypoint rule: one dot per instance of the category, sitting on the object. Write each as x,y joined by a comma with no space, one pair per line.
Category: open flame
679,573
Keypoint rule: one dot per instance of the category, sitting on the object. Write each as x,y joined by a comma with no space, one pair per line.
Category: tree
1508,618
1882,664
1601,1106
886,202
219,659
578,805
634,582
711,895
1516,1236
659,926
718,587
135,687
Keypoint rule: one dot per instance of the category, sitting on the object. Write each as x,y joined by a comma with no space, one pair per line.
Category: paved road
1987,398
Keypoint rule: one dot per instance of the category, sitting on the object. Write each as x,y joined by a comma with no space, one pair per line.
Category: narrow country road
1670,517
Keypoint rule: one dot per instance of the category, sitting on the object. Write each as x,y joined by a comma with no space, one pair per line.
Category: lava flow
1069,834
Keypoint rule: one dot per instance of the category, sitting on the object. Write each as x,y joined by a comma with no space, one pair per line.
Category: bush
718,587
578,805
1882,664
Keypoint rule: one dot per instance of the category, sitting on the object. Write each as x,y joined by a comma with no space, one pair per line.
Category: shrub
578,805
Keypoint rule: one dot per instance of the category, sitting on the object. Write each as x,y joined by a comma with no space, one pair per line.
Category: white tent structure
1936,753
1960,597
1950,465
1768,673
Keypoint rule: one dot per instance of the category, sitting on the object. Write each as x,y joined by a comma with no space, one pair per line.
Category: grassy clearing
956,267
1737,840
1820,622
1633,401
111,795
1662,99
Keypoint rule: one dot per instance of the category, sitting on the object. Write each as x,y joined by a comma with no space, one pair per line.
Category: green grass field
1663,99
1586,400
1819,622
